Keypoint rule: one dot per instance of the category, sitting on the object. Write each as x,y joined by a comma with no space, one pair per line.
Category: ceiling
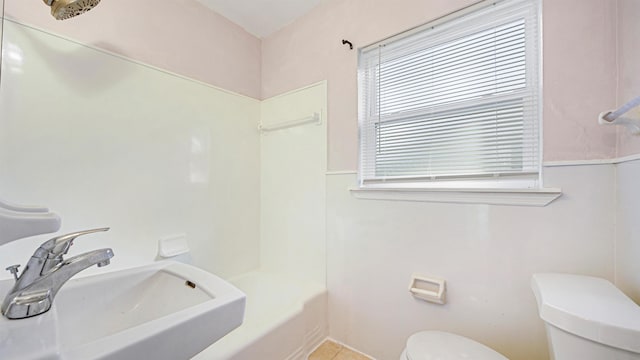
261,17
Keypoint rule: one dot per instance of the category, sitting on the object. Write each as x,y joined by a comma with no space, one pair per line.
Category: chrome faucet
46,272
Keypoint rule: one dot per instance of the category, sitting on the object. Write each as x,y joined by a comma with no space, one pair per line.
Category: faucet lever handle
13,269
60,245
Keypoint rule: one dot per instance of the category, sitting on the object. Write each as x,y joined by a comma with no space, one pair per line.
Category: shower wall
292,192
105,141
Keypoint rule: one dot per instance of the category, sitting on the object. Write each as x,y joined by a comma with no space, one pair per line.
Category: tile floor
332,351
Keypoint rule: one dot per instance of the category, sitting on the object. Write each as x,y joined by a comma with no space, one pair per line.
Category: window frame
529,182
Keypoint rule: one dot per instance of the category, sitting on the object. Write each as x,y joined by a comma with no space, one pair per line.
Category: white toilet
438,345
587,318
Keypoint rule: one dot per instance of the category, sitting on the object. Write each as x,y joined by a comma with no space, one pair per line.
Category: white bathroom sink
164,310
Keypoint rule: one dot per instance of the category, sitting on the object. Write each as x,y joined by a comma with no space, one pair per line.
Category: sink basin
164,310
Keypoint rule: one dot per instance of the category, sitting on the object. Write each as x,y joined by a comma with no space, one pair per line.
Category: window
454,103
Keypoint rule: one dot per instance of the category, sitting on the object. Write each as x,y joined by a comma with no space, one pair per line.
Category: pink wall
629,71
181,36
579,45
579,71
579,58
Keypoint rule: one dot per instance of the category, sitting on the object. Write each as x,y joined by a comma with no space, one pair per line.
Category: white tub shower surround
105,141
293,165
286,298
154,155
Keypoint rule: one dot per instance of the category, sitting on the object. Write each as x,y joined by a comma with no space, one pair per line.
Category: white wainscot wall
104,141
628,229
486,253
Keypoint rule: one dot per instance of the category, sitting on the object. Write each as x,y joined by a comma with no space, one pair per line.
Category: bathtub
285,319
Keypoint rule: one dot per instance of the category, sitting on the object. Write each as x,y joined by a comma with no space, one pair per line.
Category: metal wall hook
344,42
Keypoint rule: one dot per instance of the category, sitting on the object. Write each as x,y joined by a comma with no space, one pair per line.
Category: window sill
518,197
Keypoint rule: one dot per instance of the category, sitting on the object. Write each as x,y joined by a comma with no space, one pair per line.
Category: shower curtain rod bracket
614,117
633,125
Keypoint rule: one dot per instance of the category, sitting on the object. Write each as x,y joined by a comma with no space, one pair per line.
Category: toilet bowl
431,345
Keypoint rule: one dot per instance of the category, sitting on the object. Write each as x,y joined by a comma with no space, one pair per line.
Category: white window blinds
454,103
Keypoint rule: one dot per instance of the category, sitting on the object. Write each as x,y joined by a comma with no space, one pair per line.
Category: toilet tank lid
446,346
589,307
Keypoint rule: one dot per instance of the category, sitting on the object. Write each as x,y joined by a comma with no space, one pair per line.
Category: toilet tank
587,318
